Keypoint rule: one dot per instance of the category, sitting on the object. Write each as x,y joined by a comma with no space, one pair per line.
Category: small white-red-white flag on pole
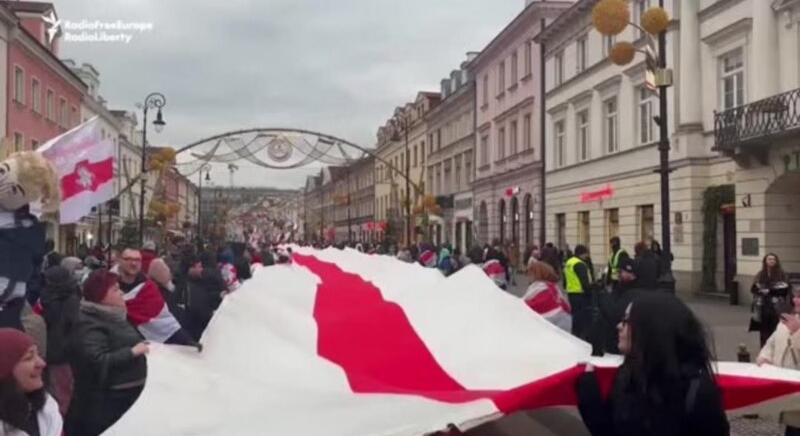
84,162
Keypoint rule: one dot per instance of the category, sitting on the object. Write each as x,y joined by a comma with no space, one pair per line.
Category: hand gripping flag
84,162
340,343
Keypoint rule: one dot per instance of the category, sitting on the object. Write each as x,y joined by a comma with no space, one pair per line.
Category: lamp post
207,169
611,17
155,100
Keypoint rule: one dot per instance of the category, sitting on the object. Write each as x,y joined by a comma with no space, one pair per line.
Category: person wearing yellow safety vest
618,258
578,281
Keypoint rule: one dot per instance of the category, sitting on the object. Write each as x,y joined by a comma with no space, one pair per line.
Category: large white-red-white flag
84,162
341,343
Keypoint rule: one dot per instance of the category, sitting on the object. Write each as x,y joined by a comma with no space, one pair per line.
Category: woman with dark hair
108,358
550,256
665,386
770,294
25,407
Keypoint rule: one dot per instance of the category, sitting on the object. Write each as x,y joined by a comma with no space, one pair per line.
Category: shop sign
598,195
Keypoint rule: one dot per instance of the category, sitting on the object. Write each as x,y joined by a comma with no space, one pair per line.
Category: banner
85,165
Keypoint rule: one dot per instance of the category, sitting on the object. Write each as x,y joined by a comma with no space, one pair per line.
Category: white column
764,66
689,79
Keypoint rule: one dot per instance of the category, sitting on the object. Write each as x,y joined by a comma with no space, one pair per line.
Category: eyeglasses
132,259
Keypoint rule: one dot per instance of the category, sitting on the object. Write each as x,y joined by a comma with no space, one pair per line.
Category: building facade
507,185
404,142
361,194
450,166
748,61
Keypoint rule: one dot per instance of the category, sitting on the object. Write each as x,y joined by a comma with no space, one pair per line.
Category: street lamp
207,169
154,100
611,17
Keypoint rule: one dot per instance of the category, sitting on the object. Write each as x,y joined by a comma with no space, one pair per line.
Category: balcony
756,124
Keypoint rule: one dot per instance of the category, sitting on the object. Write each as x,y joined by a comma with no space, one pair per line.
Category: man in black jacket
204,287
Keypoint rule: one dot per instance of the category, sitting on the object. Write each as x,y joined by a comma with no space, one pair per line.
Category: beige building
450,167
404,142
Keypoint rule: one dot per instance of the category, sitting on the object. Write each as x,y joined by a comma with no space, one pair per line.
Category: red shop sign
600,194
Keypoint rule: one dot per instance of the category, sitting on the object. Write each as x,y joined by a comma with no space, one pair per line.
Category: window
50,103
62,113
36,96
527,140
528,58
732,78
457,174
19,85
422,152
612,226
639,8
646,122
561,230
415,156
559,68
581,54
610,126
19,142
468,167
646,222
583,135
512,139
75,120
501,143
583,228
484,150
486,89
514,68
438,139
501,77
608,44
560,159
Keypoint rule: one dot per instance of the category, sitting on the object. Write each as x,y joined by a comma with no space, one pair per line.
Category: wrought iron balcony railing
757,122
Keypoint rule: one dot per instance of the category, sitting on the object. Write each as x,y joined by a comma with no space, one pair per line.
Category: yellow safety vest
613,265
573,282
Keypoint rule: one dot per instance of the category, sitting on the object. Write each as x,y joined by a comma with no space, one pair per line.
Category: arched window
483,224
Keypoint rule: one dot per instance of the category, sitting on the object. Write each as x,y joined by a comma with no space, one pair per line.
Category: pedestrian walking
770,297
26,409
783,349
107,357
665,386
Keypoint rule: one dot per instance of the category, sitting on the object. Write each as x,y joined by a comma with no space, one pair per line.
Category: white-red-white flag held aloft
84,161
340,343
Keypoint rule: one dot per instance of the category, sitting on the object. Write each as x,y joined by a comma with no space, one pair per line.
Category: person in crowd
493,267
532,251
404,255
161,274
476,255
228,271
428,257
26,409
108,357
61,297
267,258
551,256
579,279
75,266
618,257
546,297
204,289
646,267
770,297
513,262
148,253
665,385
51,256
241,260
446,263
146,308
783,349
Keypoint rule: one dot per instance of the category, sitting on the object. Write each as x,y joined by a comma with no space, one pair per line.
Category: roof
22,6
566,18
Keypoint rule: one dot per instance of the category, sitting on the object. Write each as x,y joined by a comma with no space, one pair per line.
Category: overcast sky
336,66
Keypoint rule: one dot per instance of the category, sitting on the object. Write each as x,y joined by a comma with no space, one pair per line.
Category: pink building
507,185
43,95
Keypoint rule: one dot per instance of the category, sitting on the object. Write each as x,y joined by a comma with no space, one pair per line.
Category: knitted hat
13,345
97,285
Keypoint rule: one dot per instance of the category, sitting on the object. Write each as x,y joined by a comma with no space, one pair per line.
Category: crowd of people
73,342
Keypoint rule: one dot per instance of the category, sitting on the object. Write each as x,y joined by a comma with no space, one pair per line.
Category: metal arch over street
279,147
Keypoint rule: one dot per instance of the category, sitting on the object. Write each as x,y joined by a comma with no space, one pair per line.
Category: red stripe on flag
373,341
87,176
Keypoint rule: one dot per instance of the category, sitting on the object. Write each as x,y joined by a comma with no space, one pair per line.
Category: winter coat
783,349
692,406
61,303
647,269
48,419
20,248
